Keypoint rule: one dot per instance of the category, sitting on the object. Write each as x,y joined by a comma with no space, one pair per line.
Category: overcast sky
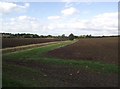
57,18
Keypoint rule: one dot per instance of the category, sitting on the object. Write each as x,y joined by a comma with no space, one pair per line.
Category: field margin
19,48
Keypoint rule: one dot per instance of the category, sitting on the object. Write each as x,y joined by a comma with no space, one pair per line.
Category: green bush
71,37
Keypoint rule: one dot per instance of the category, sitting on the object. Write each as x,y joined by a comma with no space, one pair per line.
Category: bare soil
13,42
18,48
94,49
68,76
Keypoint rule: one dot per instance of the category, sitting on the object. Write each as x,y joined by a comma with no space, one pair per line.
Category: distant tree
63,35
88,36
35,36
41,36
71,37
28,36
76,37
103,36
49,36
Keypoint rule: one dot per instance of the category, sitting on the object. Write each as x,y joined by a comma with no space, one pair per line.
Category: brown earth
97,49
66,75
13,42
93,49
25,47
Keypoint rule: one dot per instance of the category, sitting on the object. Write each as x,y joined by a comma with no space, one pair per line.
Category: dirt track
14,42
18,48
67,76
96,49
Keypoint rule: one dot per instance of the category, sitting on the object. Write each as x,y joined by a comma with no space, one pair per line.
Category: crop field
90,62
13,42
104,50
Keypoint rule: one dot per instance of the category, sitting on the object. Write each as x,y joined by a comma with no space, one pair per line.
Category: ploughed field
84,63
95,49
13,42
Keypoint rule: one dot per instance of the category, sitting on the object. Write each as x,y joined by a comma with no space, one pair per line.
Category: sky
57,18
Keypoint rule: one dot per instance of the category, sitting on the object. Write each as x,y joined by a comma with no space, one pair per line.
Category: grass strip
37,54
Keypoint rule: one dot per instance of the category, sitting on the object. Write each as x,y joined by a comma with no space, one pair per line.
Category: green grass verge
36,54
26,74
20,76
90,65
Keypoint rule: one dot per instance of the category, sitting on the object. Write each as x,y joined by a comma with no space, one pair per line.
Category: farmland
90,62
104,50
13,42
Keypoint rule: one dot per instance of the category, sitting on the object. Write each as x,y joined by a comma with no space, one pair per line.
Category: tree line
63,36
